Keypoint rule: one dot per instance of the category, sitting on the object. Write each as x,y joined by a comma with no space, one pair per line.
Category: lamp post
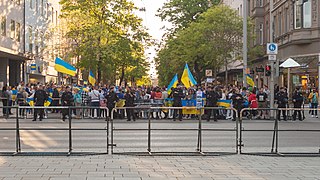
245,39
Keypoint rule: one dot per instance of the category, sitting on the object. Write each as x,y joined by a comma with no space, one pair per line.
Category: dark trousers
314,106
283,114
5,110
110,108
95,104
297,112
130,113
176,111
38,111
209,111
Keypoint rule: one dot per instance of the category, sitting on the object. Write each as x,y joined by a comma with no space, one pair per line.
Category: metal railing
275,132
69,129
199,130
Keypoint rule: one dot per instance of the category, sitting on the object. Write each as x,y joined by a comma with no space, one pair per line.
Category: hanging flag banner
64,67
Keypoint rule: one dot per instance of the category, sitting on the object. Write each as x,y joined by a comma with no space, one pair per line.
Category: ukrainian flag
64,67
250,81
173,83
92,79
224,103
33,67
187,79
48,102
30,101
14,94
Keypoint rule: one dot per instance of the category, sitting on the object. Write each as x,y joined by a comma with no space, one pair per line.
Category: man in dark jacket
297,99
129,97
282,100
112,98
55,97
40,96
237,102
211,101
67,100
177,95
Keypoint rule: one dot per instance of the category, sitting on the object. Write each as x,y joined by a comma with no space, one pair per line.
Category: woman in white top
95,101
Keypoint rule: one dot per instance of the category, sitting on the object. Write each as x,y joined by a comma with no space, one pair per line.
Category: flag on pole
92,79
187,79
30,101
250,81
64,67
173,83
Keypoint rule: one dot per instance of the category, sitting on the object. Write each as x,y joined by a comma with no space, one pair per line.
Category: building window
30,38
280,23
56,18
52,15
47,12
42,8
31,4
37,6
261,33
302,14
18,34
12,29
286,21
307,13
260,3
36,41
3,25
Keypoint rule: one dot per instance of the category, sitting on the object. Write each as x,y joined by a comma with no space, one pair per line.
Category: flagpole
245,48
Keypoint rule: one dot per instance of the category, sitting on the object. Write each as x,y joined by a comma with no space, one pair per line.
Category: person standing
282,100
112,98
95,100
297,100
67,100
129,97
262,103
177,96
77,102
5,100
40,96
211,101
313,97
237,102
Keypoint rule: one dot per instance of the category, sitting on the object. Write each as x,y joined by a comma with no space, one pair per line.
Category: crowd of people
103,98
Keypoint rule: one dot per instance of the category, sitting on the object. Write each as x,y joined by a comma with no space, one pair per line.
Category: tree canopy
204,44
107,37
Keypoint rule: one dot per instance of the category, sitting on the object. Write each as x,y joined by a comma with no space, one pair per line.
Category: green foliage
107,36
205,44
182,12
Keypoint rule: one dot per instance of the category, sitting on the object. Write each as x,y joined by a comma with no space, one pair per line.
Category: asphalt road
216,136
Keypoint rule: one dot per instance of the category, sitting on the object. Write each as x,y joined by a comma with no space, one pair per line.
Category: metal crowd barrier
70,129
200,130
275,133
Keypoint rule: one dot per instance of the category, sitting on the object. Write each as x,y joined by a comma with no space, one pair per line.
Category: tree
180,13
204,44
108,37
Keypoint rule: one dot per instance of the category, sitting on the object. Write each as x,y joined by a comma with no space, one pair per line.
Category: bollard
18,143
149,132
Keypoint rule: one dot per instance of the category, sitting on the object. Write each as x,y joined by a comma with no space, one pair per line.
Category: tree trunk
226,72
122,75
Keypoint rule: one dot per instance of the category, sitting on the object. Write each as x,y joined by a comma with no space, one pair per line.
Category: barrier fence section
70,129
149,130
274,130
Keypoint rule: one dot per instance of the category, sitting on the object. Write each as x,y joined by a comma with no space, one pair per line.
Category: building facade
42,27
12,59
296,30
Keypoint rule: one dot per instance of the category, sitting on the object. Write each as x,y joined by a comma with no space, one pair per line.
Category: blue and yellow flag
250,81
64,67
187,79
14,94
30,101
33,67
224,103
173,83
92,79
48,102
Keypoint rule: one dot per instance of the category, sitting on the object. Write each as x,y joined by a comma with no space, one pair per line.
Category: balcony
299,36
257,12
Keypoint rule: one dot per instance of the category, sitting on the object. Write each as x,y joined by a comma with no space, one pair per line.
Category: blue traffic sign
272,48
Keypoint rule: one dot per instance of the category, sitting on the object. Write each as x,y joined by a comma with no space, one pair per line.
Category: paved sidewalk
167,167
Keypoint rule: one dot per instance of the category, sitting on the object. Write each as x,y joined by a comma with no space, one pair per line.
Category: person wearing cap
282,100
40,96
